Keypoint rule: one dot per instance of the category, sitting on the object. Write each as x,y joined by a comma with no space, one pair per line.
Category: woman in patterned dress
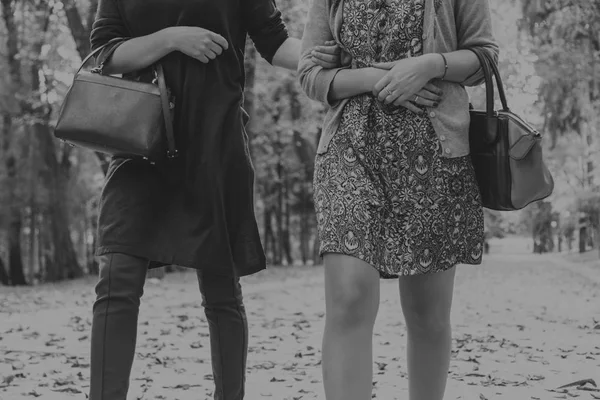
395,190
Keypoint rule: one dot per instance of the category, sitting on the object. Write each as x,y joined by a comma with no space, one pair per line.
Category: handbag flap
523,146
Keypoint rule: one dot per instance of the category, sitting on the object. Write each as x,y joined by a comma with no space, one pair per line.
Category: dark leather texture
117,116
506,152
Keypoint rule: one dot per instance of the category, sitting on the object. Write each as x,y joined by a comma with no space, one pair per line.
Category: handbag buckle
172,154
98,70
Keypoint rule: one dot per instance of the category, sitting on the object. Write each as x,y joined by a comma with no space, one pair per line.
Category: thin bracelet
445,66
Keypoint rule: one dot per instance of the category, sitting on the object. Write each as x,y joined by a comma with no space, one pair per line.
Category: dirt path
523,325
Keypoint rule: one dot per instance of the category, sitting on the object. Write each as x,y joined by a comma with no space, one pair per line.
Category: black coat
195,211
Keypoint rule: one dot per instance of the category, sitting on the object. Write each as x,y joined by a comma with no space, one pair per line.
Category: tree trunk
583,239
287,245
279,210
304,232
3,275
78,30
64,264
32,253
15,261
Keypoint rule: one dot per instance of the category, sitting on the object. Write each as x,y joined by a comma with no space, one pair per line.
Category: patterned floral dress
383,191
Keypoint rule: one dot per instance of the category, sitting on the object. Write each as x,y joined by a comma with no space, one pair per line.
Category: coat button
432,114
442,138
448,151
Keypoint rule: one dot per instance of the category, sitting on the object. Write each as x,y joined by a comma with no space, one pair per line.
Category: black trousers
114,328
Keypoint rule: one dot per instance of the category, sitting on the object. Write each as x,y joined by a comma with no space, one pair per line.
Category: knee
220,291
351,308
122,278
427,320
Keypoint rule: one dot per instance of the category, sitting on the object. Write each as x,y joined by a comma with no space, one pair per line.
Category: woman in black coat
196,210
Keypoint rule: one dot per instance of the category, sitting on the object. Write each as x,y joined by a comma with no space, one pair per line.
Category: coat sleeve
108,25
474,29
314,79
265,26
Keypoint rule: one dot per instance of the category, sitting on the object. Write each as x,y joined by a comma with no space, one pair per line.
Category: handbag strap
96,52
501,92
491,120
491,71
166,107
162,86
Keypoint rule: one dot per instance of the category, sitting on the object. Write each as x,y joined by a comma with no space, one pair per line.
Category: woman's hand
430,96
198,43
405,79
330,56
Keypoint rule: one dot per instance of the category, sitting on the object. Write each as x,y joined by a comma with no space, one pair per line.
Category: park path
523,326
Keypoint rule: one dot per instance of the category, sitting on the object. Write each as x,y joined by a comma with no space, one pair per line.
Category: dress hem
383,275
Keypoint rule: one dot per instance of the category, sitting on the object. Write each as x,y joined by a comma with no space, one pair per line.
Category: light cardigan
449,25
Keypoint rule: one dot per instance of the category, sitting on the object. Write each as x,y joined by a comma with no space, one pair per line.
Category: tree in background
567,38
37,169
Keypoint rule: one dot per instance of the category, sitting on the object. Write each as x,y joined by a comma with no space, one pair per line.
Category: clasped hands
406,83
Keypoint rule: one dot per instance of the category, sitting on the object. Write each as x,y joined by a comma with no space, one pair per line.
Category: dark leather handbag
117,116
506,151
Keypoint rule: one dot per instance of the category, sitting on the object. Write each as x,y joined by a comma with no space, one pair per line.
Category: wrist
435,65
168,40
372,75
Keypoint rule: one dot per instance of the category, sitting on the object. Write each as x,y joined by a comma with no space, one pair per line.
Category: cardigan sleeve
474,29
108,25
265,26
314,79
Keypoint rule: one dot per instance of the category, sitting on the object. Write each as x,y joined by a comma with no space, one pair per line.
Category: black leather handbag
117,116
506,151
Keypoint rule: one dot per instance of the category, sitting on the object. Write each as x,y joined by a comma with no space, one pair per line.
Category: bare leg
426,303
352,302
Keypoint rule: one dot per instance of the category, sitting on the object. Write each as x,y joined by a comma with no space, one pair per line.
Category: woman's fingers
426,94
379,86
325,60
211,54
389,93
433,89
425,102
385,65
409,106
328,49
215,47
220,40
203,58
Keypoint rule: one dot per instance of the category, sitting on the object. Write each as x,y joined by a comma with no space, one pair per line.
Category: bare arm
288,54
353,82
461,65
138,53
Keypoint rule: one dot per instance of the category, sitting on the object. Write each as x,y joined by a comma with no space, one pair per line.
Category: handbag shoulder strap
491,120
501,92
162,86
96,52
166,108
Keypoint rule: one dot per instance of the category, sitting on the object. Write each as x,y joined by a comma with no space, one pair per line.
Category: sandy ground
524,325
